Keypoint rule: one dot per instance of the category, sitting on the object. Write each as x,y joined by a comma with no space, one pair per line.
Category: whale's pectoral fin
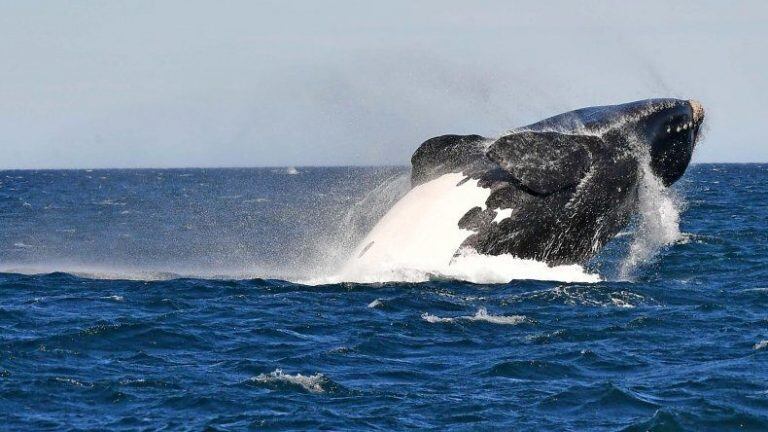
544,162
445,154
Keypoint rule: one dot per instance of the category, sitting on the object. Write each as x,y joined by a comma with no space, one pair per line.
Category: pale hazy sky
254,83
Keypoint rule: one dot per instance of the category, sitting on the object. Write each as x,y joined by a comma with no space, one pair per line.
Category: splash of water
658,223
357,221
467,266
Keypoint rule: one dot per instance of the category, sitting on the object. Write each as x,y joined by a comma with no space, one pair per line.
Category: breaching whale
555,191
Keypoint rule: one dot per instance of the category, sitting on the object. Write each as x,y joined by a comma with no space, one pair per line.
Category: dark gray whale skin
571,180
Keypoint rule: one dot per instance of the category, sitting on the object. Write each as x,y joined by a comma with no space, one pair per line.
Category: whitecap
255,200
109,202
761,345
310,383
72,381
481,315
428,317
593,296
618,302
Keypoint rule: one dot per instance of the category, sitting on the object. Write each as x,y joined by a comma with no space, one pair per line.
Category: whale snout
698,111
672,134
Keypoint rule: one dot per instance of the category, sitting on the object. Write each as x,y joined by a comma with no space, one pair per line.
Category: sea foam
467,266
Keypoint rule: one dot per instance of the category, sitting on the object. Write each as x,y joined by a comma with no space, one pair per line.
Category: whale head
665,129
671,132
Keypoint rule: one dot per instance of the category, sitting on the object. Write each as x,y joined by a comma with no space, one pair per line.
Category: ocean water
189,300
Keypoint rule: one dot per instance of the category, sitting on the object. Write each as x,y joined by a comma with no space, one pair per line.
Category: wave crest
277,379
481,315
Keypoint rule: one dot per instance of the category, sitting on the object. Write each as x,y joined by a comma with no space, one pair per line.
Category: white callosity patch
419,238
658,220
698,110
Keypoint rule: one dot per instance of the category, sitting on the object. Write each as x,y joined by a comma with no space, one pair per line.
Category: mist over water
160,224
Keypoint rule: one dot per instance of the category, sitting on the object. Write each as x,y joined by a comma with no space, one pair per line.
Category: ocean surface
197,299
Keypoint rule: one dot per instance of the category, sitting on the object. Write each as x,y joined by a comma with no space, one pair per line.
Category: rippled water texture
681,345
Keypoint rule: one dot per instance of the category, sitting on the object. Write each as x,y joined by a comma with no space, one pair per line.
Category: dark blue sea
173,300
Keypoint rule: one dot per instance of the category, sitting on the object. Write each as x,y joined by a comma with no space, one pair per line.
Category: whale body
555,191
